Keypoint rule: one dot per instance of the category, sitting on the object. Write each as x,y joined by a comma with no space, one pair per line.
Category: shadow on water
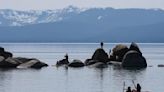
128,71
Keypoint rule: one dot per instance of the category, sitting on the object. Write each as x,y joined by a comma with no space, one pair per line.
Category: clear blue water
52,79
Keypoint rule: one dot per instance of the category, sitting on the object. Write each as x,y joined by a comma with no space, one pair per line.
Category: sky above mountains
58,4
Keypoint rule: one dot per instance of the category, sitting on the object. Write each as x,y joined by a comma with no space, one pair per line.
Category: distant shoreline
70,43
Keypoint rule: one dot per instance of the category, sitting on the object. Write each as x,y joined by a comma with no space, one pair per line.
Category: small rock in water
76,63
161,65
150,66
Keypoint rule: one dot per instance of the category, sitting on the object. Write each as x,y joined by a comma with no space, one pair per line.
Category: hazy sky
53,4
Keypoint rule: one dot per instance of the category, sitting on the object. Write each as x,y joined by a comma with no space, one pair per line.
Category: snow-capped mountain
21,18
82,25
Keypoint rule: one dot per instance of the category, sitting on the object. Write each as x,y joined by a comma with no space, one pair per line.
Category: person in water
138,88
102,44
129,89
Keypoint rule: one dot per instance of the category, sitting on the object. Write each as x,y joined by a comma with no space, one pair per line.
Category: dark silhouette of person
138,88
63,61
129,89
102,44
66,56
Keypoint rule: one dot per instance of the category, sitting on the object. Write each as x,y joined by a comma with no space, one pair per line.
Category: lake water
53,79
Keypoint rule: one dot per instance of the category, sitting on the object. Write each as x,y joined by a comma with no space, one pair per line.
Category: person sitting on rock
63,61
129,89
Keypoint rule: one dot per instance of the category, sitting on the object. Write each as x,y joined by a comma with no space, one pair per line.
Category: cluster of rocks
128,57
65,62
8,61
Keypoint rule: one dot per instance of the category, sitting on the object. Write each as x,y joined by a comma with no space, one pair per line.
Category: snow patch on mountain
15,24
21,18
99,17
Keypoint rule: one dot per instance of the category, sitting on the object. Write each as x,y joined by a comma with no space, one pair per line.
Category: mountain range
73,24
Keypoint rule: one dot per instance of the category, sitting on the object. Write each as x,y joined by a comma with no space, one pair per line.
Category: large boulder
133,59
119,52
135,47
76,63
20,63
7,61
100,55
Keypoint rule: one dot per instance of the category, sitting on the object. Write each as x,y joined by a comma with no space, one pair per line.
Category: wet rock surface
8,61
76,63
134,59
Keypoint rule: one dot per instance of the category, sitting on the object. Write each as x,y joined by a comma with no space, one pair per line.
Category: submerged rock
134,59
76,63
161,65
99,65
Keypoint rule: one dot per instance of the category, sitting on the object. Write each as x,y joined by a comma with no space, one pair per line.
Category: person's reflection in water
100,76
66,79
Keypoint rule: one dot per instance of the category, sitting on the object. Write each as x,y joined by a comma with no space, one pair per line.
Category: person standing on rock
102,44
